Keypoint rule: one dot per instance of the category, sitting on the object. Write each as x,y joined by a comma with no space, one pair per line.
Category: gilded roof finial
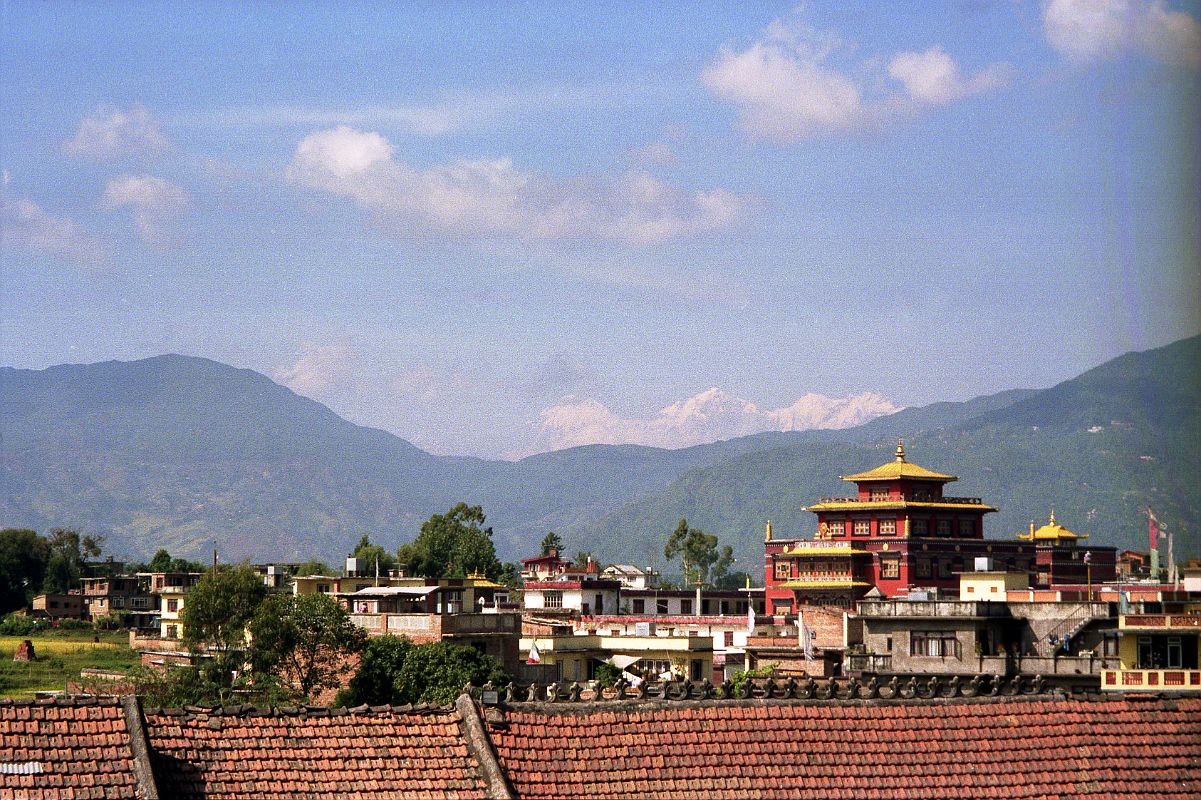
767,532
900,450
1052,516
1031,529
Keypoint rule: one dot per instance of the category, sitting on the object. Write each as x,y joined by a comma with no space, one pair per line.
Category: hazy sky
445,219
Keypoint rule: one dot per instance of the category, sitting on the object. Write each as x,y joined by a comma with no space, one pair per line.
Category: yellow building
991,584
1158,653
577,656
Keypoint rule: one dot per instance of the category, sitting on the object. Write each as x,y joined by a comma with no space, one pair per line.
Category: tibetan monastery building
900,532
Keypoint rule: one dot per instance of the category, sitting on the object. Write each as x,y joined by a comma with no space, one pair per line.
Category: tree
23,557
314,567
216,612
436,673
374,554
374,683
703,561
453,545
163,562
552,543
304,640
68,551
582,557
510,575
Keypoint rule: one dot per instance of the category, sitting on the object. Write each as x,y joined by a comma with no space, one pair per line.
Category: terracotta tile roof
996,747
65,750
308,754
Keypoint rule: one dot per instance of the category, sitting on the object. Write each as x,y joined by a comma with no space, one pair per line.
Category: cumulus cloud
155,204
111,133
316,369
934,78
26,225
709,416
1096,30
493,198
787,87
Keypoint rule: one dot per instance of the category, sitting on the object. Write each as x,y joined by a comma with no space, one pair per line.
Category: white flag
535,654
806,638
750,617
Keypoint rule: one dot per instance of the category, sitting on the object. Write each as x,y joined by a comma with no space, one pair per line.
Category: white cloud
154,202
316,369
1096,30
112,133
26,225
709,416
933,77
493,198
786,86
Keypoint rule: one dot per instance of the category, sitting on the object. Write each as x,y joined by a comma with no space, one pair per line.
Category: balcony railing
1151,680
1176,621
869,662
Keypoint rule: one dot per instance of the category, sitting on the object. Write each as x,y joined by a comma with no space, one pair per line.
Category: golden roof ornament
900,450
767,532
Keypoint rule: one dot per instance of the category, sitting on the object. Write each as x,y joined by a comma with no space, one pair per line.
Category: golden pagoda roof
899,468
1052,531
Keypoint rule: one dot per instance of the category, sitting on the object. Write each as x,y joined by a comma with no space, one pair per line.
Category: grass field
60,656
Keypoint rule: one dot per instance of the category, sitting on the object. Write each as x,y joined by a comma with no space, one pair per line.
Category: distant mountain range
182,453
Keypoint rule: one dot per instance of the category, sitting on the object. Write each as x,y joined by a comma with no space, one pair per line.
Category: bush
18,625
607,675
70,624
740,678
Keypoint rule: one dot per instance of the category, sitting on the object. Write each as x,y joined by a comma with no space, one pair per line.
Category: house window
599,605
685,606
888,527
693,634
729,638
661,605
323,588
939,644
172,606
1175,652
118,602
639,606
887,644
552,599
862,527
917,527
944,527
783,570
172,632
890,568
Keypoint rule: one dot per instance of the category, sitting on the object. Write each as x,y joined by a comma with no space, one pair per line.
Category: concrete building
1158,653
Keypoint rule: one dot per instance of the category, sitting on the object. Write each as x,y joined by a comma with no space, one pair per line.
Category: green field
60,656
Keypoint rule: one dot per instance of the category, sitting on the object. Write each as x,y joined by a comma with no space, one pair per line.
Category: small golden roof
1051,532
900,468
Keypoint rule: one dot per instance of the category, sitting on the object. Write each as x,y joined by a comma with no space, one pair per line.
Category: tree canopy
68,550
374,554
304,640
163,562
23,557
453,544
551,543
394,670
703,561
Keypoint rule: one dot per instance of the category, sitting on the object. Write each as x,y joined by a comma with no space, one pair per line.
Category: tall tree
304,640
68,552
703,561
374,683
453,544
552,543
216,612
23,557
374,554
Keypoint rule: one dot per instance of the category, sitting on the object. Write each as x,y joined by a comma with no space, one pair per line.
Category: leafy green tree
216,612
374,683
703,560
67,552
304,640
314,567
374,554
436,673
552,542
163,562
510,575
453,544
581,559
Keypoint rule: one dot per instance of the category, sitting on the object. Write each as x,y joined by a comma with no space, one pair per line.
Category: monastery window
944,527
888,527
917,527
878,493
922,569
661,605
639,606
836,527
890,568
863,527
783,570
685,606
552,599
781,607
967,527
939,644
921,495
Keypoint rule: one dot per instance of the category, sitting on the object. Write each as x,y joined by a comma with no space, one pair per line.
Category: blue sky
496,228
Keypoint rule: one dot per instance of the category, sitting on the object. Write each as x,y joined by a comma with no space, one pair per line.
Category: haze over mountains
182,452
